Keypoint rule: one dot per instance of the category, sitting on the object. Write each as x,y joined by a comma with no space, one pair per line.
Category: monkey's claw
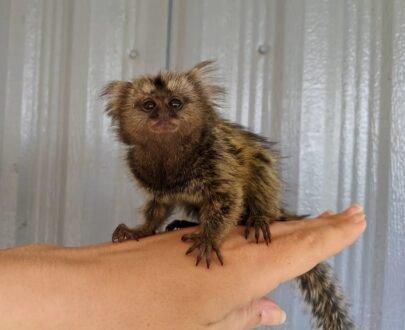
205,245
260,224
123,233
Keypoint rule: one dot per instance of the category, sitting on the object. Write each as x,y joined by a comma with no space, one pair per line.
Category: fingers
300,250
288,227
261,311
270,312
294,251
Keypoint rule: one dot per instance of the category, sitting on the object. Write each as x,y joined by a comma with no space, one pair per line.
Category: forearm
47,287
39,287
141,283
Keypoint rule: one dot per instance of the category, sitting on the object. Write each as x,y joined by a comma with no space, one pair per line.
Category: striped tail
324,296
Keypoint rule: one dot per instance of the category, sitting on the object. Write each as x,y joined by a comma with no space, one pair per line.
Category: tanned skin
183,153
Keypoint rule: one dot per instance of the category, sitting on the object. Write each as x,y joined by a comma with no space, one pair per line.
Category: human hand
316,239
232,297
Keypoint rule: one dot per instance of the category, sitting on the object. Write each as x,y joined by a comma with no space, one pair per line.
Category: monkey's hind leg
260,224
155,214
261,212
263,197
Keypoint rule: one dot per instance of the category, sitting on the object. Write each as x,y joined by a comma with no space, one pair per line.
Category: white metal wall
61,179
324,78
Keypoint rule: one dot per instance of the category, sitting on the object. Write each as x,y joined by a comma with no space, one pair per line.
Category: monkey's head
164,107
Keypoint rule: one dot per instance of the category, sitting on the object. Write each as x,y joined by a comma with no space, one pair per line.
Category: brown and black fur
189,156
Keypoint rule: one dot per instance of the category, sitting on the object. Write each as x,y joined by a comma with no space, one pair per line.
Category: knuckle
310,238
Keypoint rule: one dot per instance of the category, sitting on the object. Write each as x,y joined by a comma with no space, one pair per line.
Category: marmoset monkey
183,153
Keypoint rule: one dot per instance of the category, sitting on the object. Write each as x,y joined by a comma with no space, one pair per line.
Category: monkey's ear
203,69
205,72
116,93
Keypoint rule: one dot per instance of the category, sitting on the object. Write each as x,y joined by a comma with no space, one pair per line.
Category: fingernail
273,317
358,206
283,317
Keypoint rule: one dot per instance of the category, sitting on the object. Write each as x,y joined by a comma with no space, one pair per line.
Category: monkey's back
250,158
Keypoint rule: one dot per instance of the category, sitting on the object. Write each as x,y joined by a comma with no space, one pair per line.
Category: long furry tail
322,293
324,296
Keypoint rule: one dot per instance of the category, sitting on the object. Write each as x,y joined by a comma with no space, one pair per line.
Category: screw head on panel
263,49
133,54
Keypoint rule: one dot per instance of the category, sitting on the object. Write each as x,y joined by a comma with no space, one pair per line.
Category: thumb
261,311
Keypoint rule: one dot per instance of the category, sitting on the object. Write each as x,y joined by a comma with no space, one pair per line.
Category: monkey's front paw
260,224
123,233
205,245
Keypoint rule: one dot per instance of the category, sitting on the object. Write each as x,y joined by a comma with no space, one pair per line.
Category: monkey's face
161,108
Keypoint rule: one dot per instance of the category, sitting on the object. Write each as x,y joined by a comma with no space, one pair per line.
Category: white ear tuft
116,93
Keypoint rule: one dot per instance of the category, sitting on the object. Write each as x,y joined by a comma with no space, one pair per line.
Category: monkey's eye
149,105
175,103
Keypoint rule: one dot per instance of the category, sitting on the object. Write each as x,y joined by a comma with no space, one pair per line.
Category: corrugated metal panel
324,78
331,91
61,177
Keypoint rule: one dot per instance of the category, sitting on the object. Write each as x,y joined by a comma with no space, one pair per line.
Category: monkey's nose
166,114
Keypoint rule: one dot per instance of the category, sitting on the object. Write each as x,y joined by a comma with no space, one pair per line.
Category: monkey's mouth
162,126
